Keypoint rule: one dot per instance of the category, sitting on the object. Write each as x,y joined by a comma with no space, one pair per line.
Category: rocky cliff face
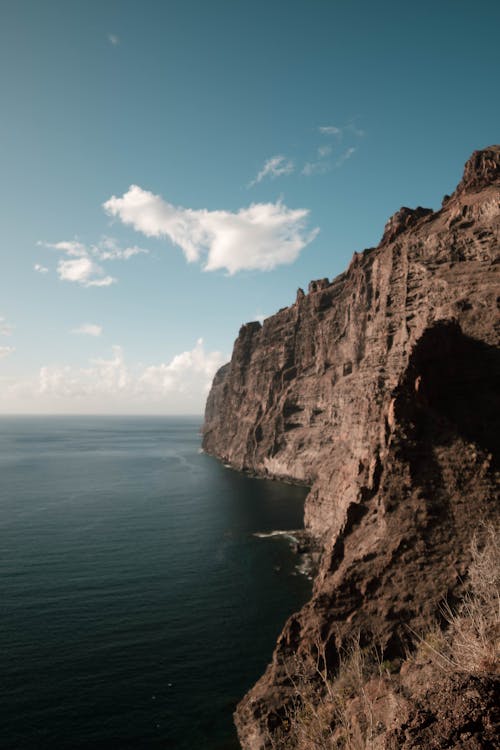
379,390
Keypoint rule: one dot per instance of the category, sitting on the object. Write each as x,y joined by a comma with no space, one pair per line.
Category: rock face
378,390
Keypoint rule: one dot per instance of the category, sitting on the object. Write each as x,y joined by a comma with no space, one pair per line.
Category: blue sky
267,142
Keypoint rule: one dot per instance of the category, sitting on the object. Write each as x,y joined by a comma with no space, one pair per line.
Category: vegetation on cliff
372,702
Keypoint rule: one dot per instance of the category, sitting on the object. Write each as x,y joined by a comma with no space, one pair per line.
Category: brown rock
402,220
379,390
459,712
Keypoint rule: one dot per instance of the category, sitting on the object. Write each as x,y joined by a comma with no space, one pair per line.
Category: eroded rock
379,390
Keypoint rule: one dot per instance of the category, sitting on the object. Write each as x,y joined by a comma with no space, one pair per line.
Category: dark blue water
136,605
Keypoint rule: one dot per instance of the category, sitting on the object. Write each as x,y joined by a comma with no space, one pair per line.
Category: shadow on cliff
448,392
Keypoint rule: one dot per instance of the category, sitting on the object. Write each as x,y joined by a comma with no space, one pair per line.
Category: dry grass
320,716
338,714
471,642
474,629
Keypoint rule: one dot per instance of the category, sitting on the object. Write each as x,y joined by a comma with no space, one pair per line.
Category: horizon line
96,414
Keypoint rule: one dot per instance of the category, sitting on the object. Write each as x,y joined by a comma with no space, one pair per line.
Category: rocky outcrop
378,390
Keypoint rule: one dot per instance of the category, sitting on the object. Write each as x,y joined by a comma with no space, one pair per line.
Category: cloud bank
113,385
260,237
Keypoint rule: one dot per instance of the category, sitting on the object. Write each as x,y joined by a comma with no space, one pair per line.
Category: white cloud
345,156
73,248
260,237
5,327
5,351
316,167
324,151
333,130
280,165
194,368
82,268
113,39
323,165
83,271
88,329
105,281
109,249
276,166
40,269
355,130
330,130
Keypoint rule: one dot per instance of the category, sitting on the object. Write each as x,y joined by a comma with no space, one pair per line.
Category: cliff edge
378,390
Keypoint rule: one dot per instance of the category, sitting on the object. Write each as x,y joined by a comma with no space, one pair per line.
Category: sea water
140,591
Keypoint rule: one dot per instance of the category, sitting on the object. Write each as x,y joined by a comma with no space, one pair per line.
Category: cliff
379,390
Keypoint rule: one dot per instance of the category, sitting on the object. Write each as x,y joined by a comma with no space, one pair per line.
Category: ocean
137,603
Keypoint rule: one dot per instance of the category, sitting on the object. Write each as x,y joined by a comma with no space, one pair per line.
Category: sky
174,169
